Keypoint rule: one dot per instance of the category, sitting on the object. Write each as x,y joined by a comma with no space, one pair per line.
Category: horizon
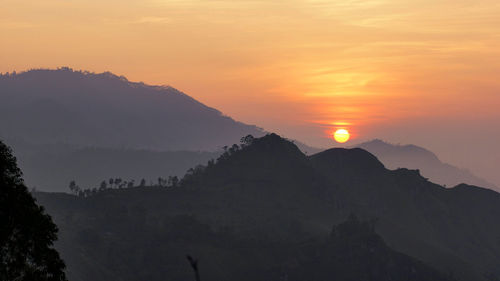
462,160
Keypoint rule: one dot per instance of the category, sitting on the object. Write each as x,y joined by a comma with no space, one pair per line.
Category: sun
341,135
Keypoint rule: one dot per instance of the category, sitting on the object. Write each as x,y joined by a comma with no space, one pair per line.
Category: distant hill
52,167
415,157
267,195
105,110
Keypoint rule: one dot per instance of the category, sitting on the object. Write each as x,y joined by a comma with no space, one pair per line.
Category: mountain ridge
263,194
106,110
415,157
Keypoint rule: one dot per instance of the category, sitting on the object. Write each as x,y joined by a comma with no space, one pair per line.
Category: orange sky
297,67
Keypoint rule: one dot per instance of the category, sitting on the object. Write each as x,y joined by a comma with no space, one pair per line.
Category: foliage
118,183
27,233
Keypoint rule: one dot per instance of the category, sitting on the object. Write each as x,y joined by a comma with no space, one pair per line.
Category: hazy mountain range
263,210
415,157
104,110
71,125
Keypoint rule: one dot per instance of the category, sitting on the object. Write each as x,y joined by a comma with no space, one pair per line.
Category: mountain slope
415,157
134,248
105,110
267,190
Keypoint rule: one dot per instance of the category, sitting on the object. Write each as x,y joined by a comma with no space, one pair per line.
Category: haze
422,72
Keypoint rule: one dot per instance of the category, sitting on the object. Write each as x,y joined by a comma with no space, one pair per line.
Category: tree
143,183
86,193
27,233
162,182
233,149
173,181
103,186
130,184
194,265
117,182
247,140
75,189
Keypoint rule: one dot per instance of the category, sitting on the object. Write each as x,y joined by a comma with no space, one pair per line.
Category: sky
421,71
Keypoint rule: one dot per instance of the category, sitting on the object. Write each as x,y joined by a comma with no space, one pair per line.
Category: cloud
153,20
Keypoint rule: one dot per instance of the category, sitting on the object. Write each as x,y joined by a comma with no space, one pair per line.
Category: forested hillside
262,208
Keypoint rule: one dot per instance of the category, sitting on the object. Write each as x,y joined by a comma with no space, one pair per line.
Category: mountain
104,110
265,208
415,157
353,251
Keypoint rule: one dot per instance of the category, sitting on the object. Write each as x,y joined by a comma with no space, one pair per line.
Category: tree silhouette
27,234
173,181
162,182
118,182
247,140
103,186
194,265
130,183
75,189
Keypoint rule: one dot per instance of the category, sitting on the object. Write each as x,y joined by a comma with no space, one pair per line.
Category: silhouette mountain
415,157
267,191
105,110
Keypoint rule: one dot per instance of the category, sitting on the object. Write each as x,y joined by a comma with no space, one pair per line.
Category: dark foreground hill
263,211
415,157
